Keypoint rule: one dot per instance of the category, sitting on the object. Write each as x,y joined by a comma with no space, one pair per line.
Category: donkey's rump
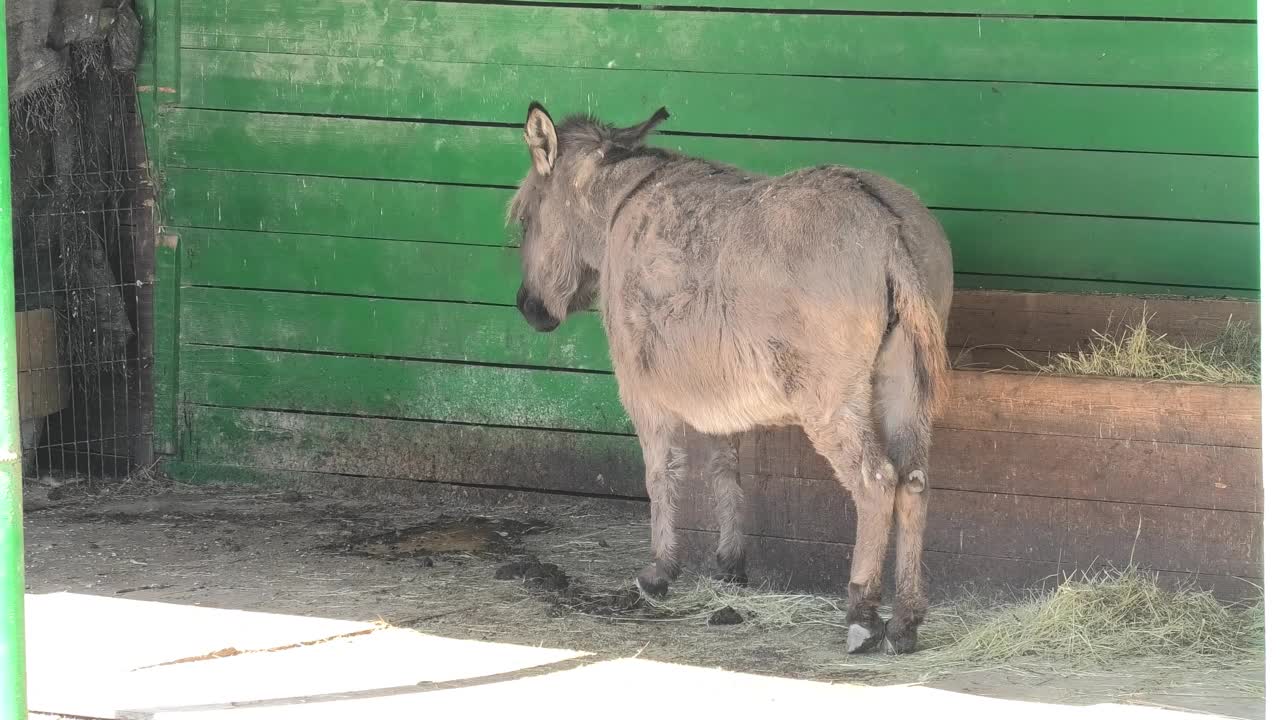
739,313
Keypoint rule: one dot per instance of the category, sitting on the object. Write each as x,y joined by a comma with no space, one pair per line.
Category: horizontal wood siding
338,277
1051,473
824,567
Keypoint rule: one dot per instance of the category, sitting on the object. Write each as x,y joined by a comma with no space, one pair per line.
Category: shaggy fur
733,300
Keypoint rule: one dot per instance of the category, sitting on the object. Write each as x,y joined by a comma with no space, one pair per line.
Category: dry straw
1102,617
1234,357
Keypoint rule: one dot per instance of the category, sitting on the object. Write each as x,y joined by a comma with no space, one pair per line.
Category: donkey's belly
732,408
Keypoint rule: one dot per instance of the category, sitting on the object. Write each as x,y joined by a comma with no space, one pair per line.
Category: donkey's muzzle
535,313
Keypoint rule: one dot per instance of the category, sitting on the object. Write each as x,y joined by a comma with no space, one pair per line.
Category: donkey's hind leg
731,554
665,467
908,433
849,442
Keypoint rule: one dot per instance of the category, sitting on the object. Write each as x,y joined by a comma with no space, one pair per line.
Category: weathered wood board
1034,472
824,567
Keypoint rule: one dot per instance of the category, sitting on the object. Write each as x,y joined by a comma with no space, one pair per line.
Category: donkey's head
559,207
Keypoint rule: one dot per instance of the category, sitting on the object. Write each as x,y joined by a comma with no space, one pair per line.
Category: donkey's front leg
665,466
873,498
731,553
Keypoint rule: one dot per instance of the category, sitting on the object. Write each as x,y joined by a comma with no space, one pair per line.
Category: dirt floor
489,565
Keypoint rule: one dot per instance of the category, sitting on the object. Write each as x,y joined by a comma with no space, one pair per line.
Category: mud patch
535,575
474,536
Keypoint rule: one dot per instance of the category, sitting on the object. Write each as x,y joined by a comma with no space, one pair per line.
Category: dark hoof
901,639
652,583
866,635
732,578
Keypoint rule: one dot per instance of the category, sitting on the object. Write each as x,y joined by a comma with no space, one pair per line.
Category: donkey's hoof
901,640
652,584
731,569
864,639
733,578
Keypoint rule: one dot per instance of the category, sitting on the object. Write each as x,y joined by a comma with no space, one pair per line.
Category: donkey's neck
619,189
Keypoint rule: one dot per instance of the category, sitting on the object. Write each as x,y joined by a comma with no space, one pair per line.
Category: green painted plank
1183,9
394,210
388,327
1115,250
476,274
350,266
145,74
1181,54
167,51
196,473
1022,283
164,370
545,460
186,473
1065,181
145,77
396,328
1011,114
1097,248
1063,247
445,392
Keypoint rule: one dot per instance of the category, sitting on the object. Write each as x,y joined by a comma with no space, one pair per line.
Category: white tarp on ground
115,658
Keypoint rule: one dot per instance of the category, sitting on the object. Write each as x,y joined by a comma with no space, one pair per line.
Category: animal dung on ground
725,616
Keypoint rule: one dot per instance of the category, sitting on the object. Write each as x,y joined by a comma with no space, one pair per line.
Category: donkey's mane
585,130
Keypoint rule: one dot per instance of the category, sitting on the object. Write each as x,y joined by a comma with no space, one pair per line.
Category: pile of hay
1103,617
1234,357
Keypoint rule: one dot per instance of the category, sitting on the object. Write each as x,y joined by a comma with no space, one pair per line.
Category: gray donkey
732,301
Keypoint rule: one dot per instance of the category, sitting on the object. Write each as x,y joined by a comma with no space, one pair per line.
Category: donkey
733,300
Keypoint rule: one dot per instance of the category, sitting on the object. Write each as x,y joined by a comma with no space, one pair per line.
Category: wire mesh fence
82,211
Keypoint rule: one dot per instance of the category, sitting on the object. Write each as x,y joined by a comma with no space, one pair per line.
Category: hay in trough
1234,357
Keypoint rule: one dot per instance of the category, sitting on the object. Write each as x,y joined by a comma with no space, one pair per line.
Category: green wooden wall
335,282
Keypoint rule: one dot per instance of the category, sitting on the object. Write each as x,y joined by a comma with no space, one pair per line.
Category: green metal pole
13,659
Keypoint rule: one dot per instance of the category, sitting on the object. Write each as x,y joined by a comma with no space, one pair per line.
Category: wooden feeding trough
1036,475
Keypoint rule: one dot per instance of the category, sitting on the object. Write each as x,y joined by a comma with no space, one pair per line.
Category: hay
35,111
1234,357
1103,617
761,607
1097,623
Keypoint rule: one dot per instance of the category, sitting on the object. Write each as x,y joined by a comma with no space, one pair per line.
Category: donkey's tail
923,327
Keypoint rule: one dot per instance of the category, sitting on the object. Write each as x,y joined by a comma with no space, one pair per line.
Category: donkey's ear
633,136
540,136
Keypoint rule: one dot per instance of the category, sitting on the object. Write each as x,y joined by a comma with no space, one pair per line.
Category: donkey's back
740,300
